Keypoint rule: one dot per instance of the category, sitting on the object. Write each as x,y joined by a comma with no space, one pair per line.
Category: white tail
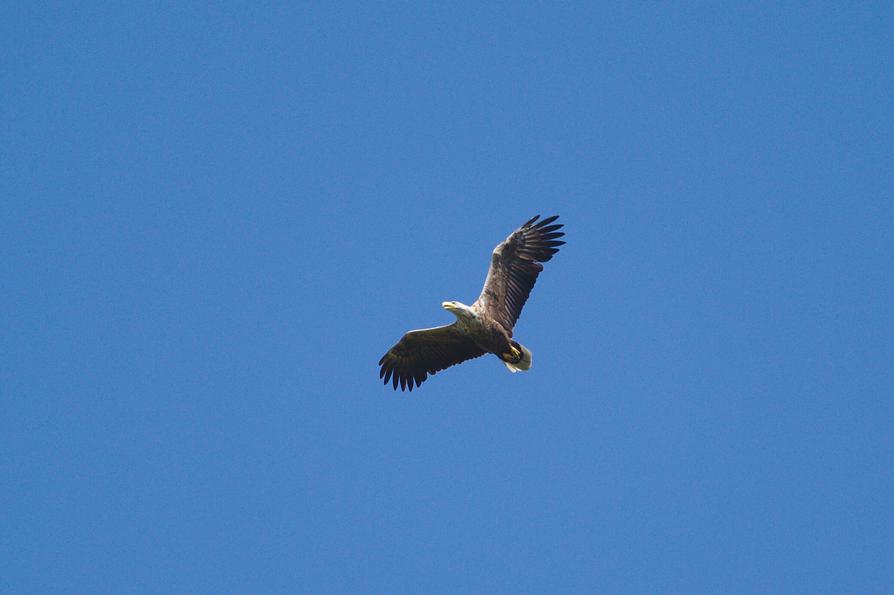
524,364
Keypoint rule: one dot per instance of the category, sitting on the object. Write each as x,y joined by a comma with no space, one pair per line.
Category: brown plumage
485,326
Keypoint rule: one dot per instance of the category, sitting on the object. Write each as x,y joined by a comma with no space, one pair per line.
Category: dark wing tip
531,221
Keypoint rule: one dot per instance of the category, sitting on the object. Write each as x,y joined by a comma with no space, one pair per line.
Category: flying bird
485,326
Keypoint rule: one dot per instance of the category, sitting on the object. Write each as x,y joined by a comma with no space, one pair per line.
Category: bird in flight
485,326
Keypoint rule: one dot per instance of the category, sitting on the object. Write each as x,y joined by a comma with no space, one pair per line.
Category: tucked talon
513,355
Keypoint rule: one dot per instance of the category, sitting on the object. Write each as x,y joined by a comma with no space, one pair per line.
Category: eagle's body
485,326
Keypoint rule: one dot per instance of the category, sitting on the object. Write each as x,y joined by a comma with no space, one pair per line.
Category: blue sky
216,219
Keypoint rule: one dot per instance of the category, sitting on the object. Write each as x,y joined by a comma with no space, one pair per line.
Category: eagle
485,326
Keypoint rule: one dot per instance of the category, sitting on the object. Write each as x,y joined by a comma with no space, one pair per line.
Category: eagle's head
459,309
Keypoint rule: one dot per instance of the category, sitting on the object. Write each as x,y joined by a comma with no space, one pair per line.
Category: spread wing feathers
423,352
514,267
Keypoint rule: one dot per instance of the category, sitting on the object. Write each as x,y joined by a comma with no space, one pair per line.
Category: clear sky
215,220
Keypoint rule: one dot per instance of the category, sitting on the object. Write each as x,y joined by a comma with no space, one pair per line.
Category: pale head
459,309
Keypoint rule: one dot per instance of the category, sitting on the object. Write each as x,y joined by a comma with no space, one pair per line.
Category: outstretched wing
514,267
423,352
